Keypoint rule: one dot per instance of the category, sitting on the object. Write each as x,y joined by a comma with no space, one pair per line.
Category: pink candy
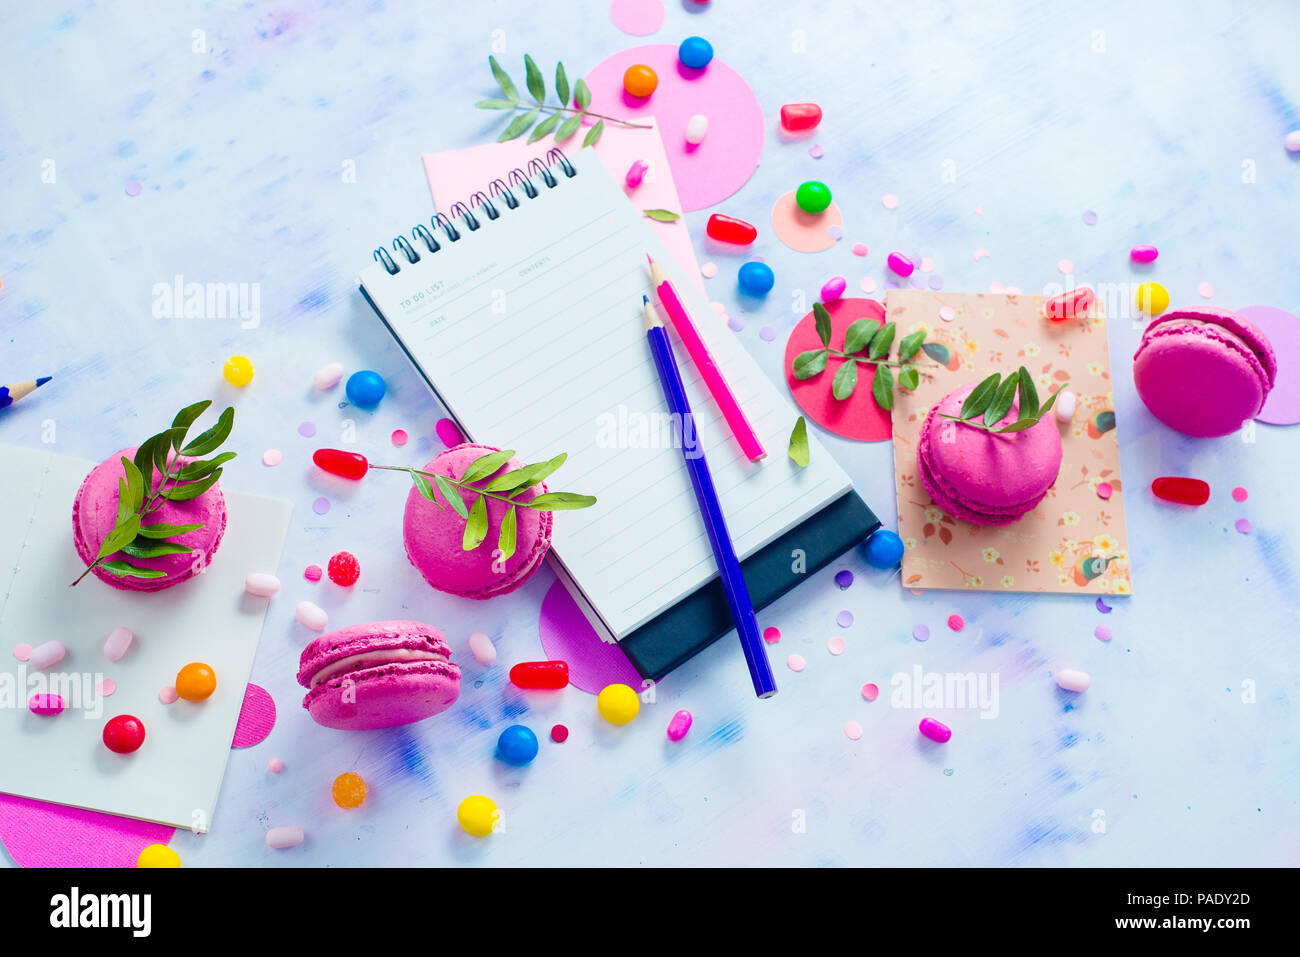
283,837
312,615
679,725
936,731
900,264
833,289
118,643
50,653
635,174
1143,254
45,704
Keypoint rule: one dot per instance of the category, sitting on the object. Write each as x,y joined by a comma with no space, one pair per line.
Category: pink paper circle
1282,407
713,170
804,232
568,636
38,834
256,717
858,416
23,652
637,17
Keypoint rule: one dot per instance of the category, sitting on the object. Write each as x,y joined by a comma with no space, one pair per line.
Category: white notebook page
530,330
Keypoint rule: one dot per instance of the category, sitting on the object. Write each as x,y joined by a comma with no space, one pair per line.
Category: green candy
813,197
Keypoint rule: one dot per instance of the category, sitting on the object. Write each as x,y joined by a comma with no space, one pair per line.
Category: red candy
1069,305
124,733
559,734
796,117
540,675
344,569
1184,491
728,229
349,465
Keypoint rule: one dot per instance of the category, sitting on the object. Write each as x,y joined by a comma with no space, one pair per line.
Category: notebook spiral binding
504,191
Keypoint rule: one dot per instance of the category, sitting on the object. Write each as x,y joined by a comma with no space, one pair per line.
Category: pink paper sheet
37,834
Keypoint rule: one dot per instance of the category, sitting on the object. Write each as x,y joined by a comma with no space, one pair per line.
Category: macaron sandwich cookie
378,675
982,477
1203,371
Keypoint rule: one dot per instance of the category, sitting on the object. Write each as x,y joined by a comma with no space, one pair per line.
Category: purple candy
844,578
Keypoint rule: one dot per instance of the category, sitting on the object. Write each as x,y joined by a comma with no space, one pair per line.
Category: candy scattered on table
481,647
852,730
900,264
729,229
618,704
1144,254
348,465
366,388
1105,490
47,654
313,573
158,855
328,376
936,731
118,643
261,584
477,815
284,837
1239,494
771,635
696,129
870,691
123,733
813,196
833,289
635,175
196,681
796,663
45,704
695,52
275,765
835,645
956,622
344,569
756,278
1066,405
399,437
540,675
1069,305
1183,491
311,615
679,725
800,117
168,695
639,80
1068,679
559,734
238,371
1102,633
1152,298
517,745
883,549
349,790
844,578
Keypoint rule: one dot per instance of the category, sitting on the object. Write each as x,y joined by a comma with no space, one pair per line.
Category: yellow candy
1152,298
349,790
618,704
477,815
196,681
238,371
158,855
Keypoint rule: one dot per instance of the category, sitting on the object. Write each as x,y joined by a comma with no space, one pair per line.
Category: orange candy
196,681
349,790
640,80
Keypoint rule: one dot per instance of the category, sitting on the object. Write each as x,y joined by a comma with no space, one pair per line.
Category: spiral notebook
521,308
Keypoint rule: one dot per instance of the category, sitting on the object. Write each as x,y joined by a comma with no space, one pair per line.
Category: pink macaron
1202,371
434,532
94,513
983,478
378,675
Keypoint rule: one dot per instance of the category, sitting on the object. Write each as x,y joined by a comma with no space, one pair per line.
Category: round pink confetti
947,313
1102,633
867,284
871,691
275,765
1105,490
816,152
956,622
1205,290
568,636
321,505
1089,218
927,265
640,18
771,635
982,254
106,686
796,663
133,188
1065,266
861,249
889,201
844,619
1239,494
853,730
921,632
399,437
1243,525
709,270
272,457
256,717
168,695
23,652
836,645
721,307
312,573
306,429
804,232
448,432
997,288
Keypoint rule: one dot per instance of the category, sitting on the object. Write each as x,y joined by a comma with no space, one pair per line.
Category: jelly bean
158,855
262,584
900,264
517,745
883,549
640,81
196,681
477,815
348,465
833,289
47,654
344,569
123,733
312,615
481,647
238,371
1152,298
797,117
365,388
618,704
281,838
1143,254
45,704
695,52
540,675
118,643
812,196
1183,491
328,376
312,573
1070,680
1069,305
728,229
1066,404
935,730
756,278
168,695
1292,142
696,127
679,725
635,174
349,790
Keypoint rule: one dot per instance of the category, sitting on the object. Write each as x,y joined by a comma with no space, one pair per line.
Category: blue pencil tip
645,300
42,380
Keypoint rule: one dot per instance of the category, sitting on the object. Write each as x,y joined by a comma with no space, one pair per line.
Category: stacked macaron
982,477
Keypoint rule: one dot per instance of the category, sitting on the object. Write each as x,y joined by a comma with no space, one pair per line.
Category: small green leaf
519,126
560,501
134,484
122,534
662,215
163,530
561,84
822,319
593,134
127,570
452,494
846,380
1028,394
568,127
526,477
162,449
506,537
938,352
1002,400
881,341
858,335
495,105
212,438
144,460
183,493
799,443
1051,400
196,470
507,85
882,387
476,526
186,416
123,501
425,487
910,345
581,95
909,378
1019,425
533,80
485,465
148,549
810,363
544,127
980,397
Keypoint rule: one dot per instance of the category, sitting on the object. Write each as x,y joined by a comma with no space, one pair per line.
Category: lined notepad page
530,331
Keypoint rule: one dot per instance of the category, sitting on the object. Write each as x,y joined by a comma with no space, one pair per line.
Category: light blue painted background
239,151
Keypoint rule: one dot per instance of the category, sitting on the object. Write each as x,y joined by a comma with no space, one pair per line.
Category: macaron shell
384,697
1249,334
366,638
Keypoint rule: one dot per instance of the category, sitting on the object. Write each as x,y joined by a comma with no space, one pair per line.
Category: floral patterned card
1075,541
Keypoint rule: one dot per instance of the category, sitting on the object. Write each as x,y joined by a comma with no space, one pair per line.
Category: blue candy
757,279
883,549
695,52
366,388
517,745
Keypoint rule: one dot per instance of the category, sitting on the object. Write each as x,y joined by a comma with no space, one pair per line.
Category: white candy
50,653
327,377
481,647
312,615
1066,403
118,643
1292,141
1071,680
261,584
696,127
281,837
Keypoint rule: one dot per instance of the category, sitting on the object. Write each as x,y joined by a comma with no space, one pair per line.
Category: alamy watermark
179,299
624,429
934,690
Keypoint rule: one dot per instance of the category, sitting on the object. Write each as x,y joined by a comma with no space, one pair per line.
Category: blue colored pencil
9,394
724,553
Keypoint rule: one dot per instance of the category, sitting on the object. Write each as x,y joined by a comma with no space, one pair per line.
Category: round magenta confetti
1243,525
1239,494
844,578
956,622
1102,632
770,635
306,429
399,437
1105,490
312,573
133,188
1102,607
448,432
870,691
844,619
321,505
344,569
921,632
836,645
559,734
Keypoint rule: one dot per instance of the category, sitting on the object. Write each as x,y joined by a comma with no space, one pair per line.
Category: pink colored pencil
703,359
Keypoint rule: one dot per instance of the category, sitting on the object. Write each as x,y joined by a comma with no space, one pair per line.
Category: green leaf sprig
555,121
868,344
662,215
507,487
990,401
799,453
182,478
